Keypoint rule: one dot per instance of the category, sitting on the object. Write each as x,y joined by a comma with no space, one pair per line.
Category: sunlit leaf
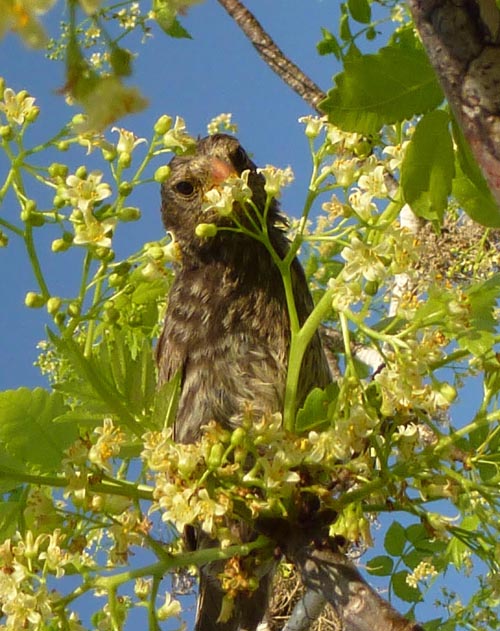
27,428
428,166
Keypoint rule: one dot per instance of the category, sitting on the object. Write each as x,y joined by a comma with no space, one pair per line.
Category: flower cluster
222,123
222,198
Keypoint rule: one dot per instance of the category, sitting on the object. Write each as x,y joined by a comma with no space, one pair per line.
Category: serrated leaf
360,10
403,590
380,565
314,413
395,539
428,167
393,85
27,428
165,16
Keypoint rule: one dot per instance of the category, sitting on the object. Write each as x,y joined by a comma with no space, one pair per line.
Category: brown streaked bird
227,328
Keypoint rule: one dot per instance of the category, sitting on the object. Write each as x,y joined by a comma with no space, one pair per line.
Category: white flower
362,260
222,122
177,137
169,609
95,232
314,125
83,193
16,107
233,189
127,141
276,179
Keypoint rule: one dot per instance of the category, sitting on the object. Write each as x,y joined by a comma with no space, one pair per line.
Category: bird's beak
219,171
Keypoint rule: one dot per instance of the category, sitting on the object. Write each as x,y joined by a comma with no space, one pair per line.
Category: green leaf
165,403
393,85
470,188
329,44
395,539
27,428
380,566
9,518
403,590
165,17
360,10
314,413
344,30
480,337
428,167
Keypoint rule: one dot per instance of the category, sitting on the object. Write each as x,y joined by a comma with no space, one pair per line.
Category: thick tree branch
332,575
462,39
272,55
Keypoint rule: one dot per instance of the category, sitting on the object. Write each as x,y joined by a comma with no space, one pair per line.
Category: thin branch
272,55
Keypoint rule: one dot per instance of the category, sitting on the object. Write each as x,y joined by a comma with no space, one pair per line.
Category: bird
226,329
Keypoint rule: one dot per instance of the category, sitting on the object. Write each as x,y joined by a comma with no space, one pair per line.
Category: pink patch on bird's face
220,171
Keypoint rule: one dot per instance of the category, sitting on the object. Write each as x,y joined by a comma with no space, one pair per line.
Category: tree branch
272,55
462,39
331,574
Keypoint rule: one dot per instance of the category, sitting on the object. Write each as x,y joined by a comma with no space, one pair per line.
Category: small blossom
345,171
362,260
276,179
423,570
127,141
208,509
16,106
95,232
233,189
176,138
169,609
84,192
373,181
314,125
107,446
222,122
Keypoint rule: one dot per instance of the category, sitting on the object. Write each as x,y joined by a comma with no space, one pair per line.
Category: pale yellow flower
127,141
177,138
169,609
276,179
222,122
84,192
16,106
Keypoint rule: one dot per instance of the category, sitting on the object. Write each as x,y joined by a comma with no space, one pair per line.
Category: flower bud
59,245
53,305
162,125
162,174
32,114
6,132
56,169
206,230
125,160
129,213
81,172
34,300
125,189
4,240
63,145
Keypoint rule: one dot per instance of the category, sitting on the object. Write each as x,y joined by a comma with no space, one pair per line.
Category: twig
273,55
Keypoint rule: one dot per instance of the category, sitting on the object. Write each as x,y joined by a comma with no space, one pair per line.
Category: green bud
447,391
371,287
34,300
162,174
58,201
59,245
53,305
238,437
81,172
104,254
129,213
109,154
30,205
371,33
125,160
6,132
162,125
4,240
36,219
78,119
2,87
206,230
63,145
215,457
74,309
156,253
125,189
68,237
116,280
123,268
59,318
56,169
32,114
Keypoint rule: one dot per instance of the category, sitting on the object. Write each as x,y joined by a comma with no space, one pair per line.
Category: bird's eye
240,159
185,188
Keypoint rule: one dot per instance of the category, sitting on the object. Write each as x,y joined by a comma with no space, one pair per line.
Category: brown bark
274,57
462,39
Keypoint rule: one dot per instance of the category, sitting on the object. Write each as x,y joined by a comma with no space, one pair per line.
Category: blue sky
218,71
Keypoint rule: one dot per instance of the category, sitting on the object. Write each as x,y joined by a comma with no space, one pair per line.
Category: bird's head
185,203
